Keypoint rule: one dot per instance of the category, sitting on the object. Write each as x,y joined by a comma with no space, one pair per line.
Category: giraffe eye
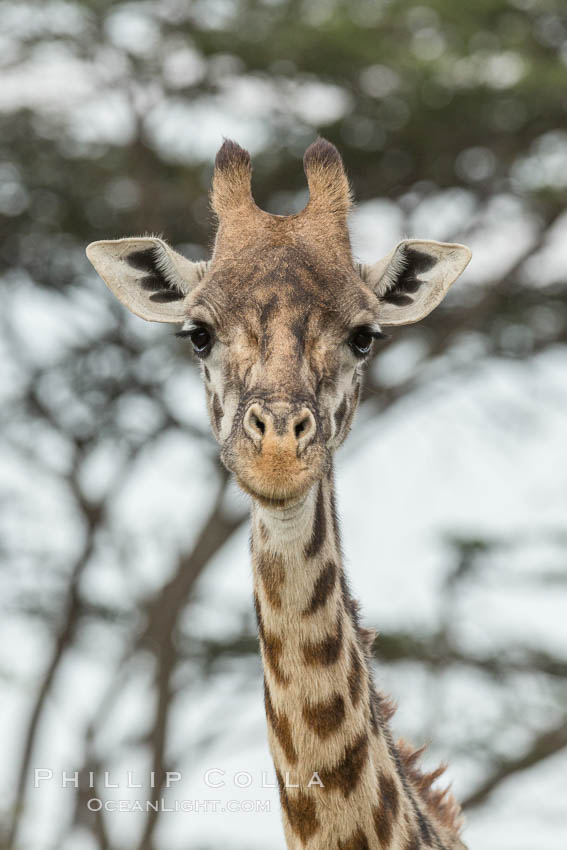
201,339
361,342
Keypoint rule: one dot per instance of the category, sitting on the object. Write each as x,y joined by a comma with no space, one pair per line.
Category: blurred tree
110,115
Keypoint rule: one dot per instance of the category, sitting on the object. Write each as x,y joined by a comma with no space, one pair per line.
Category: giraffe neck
342,786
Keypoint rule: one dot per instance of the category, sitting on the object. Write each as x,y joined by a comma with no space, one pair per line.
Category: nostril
255,424
301,426
304,429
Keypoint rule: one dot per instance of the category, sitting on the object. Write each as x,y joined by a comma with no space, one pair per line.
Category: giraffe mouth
267,501
275,478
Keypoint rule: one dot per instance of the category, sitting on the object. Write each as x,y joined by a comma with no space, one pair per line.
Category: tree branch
549,743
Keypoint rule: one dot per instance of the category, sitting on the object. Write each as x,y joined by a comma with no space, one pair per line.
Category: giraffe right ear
147,276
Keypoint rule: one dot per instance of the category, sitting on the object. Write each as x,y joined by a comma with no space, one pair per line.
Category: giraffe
283,320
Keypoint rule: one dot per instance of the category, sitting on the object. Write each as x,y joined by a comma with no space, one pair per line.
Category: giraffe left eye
360,342
201,340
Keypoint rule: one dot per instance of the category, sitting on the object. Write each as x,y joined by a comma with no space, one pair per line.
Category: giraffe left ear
414,278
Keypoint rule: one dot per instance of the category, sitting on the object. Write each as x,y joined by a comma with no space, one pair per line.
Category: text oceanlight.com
95,804
214,778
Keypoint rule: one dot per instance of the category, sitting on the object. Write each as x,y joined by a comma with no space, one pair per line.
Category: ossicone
329,191
232,179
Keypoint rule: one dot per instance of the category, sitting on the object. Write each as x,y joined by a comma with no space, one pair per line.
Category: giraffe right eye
201,339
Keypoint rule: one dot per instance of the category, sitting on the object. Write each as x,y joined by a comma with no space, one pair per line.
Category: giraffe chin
275,477
281,488
287,501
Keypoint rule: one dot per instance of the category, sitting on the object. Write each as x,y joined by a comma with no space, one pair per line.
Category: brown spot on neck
272,647
280,724
386,812
346,774
272,574
319,526
326,651
300,809
325,717
323,588
355,675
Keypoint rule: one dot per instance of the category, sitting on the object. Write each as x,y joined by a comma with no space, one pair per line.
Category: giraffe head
281,318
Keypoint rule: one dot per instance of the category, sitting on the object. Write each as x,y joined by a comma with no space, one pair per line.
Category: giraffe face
282,336
281,318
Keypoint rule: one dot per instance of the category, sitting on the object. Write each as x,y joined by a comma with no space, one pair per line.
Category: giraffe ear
414,278
147,276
